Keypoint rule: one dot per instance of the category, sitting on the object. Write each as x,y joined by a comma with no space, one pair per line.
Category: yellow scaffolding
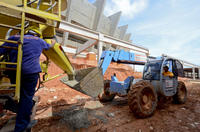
27,13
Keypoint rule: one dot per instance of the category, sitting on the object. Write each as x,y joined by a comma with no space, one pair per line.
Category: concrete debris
52,90
93,105
151,128
45,89
100,115
192,125
128,121
183,108
196,123
49,101
55,97
111,115
78,97
186,127
75,118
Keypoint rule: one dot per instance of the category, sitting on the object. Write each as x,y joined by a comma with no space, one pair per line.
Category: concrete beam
85,46
114,22
77,30
186,63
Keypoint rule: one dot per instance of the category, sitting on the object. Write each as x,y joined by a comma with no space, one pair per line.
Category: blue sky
163,26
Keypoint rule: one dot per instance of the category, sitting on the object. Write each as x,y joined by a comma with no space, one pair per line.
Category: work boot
30,125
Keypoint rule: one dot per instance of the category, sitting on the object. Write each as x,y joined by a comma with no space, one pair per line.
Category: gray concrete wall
104,25
127,37
82,12
122,31
114,19
86,14
117,33
100,5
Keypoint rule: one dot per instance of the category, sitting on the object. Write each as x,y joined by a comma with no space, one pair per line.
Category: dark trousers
28,84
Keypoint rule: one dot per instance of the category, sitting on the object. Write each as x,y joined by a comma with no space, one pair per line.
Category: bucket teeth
88,81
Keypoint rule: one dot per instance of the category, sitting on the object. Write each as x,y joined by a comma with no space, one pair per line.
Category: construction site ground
63,109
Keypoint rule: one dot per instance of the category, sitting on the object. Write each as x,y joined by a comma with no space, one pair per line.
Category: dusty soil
63,109
72,111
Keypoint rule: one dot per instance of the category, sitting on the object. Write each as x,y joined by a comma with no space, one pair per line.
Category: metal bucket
89,81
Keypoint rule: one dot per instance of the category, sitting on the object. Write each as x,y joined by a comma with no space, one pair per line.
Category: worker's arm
4,50
171,74
46,46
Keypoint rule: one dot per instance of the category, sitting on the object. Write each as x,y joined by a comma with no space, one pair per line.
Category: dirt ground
63,109
68,110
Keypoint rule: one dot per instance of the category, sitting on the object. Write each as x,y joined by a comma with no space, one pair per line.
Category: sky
169,27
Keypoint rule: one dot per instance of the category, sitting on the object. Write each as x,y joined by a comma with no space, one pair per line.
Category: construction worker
166,72
33,46
114,77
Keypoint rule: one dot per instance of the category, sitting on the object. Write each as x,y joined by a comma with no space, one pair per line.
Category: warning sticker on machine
169,83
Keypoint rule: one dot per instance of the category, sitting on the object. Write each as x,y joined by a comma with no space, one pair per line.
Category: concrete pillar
65,38
193,73
199,73
100,46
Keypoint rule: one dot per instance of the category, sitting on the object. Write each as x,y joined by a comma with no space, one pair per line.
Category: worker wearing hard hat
33,46
166,72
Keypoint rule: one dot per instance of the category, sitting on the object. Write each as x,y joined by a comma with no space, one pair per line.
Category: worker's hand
53,41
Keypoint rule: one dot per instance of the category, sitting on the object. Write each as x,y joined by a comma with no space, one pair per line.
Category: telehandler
143,94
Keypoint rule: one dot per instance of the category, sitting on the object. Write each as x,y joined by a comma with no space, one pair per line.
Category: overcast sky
163,26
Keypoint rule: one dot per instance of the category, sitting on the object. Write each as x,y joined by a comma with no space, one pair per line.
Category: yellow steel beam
6,91
32,11
9,26
9,41
13,69
8,63
7,85
51,78
59,8
7,47
19,59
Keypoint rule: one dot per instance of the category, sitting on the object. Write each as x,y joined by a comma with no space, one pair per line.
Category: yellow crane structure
15,17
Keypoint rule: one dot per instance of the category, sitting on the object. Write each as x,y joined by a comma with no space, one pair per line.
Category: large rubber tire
106,96
181,95
142,99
